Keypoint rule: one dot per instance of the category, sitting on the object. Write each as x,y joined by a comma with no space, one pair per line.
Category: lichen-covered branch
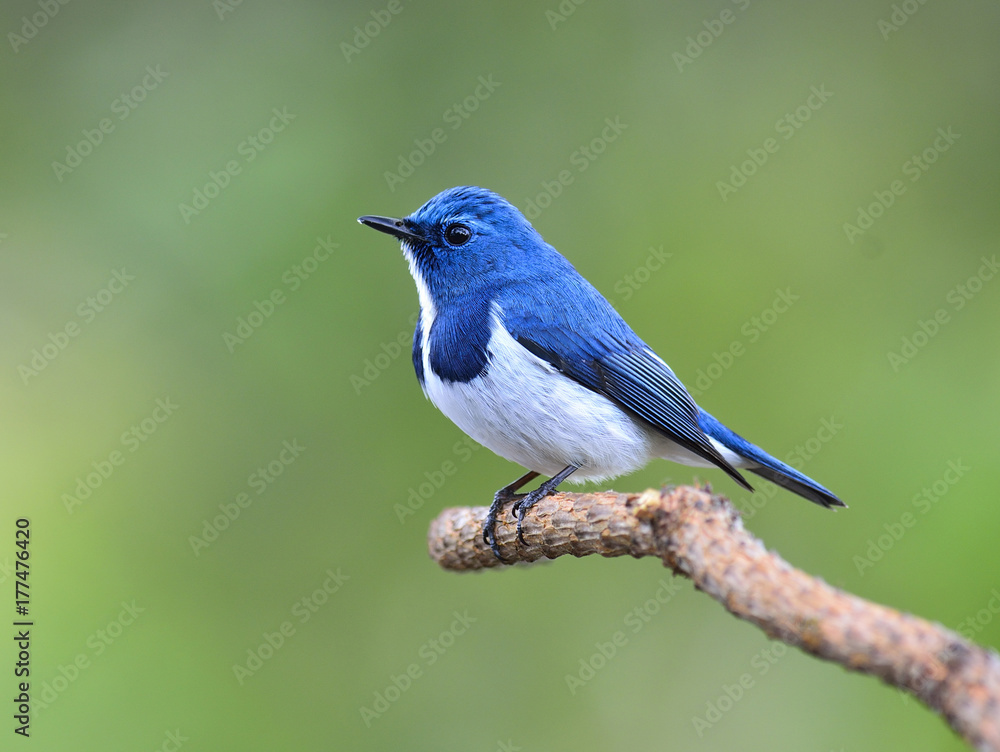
701,536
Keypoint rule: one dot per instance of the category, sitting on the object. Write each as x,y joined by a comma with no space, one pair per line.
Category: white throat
428,312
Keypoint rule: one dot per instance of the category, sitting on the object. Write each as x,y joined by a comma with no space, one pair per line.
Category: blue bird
530,360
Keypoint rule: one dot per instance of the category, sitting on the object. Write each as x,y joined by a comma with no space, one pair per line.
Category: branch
701,536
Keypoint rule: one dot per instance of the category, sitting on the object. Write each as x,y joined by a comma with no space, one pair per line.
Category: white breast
527,412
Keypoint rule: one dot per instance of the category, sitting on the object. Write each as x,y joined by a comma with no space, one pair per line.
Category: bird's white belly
527,412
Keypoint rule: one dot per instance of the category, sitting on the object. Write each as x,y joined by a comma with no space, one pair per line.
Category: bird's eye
457,234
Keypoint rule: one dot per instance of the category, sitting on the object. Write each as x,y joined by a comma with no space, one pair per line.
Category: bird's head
466,240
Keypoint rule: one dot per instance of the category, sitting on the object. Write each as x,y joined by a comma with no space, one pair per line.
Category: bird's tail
766,466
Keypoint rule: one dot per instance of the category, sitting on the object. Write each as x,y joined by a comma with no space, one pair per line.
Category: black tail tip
807,490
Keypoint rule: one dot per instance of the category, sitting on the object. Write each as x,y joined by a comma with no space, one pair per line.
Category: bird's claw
521,507
493,517
522,503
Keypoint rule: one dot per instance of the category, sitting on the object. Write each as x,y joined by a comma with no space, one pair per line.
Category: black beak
390,226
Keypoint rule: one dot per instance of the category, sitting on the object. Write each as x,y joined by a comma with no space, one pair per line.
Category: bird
531,361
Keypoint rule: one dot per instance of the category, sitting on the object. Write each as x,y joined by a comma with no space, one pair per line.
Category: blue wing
573,327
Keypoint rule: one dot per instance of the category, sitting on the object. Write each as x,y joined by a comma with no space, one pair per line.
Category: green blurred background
906,434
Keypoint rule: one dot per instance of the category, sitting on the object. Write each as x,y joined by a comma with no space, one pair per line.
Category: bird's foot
524,503
502,496
521,506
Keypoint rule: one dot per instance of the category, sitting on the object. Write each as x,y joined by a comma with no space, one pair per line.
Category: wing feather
607,357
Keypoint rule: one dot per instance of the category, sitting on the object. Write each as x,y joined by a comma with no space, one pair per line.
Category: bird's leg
526,502
505,494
